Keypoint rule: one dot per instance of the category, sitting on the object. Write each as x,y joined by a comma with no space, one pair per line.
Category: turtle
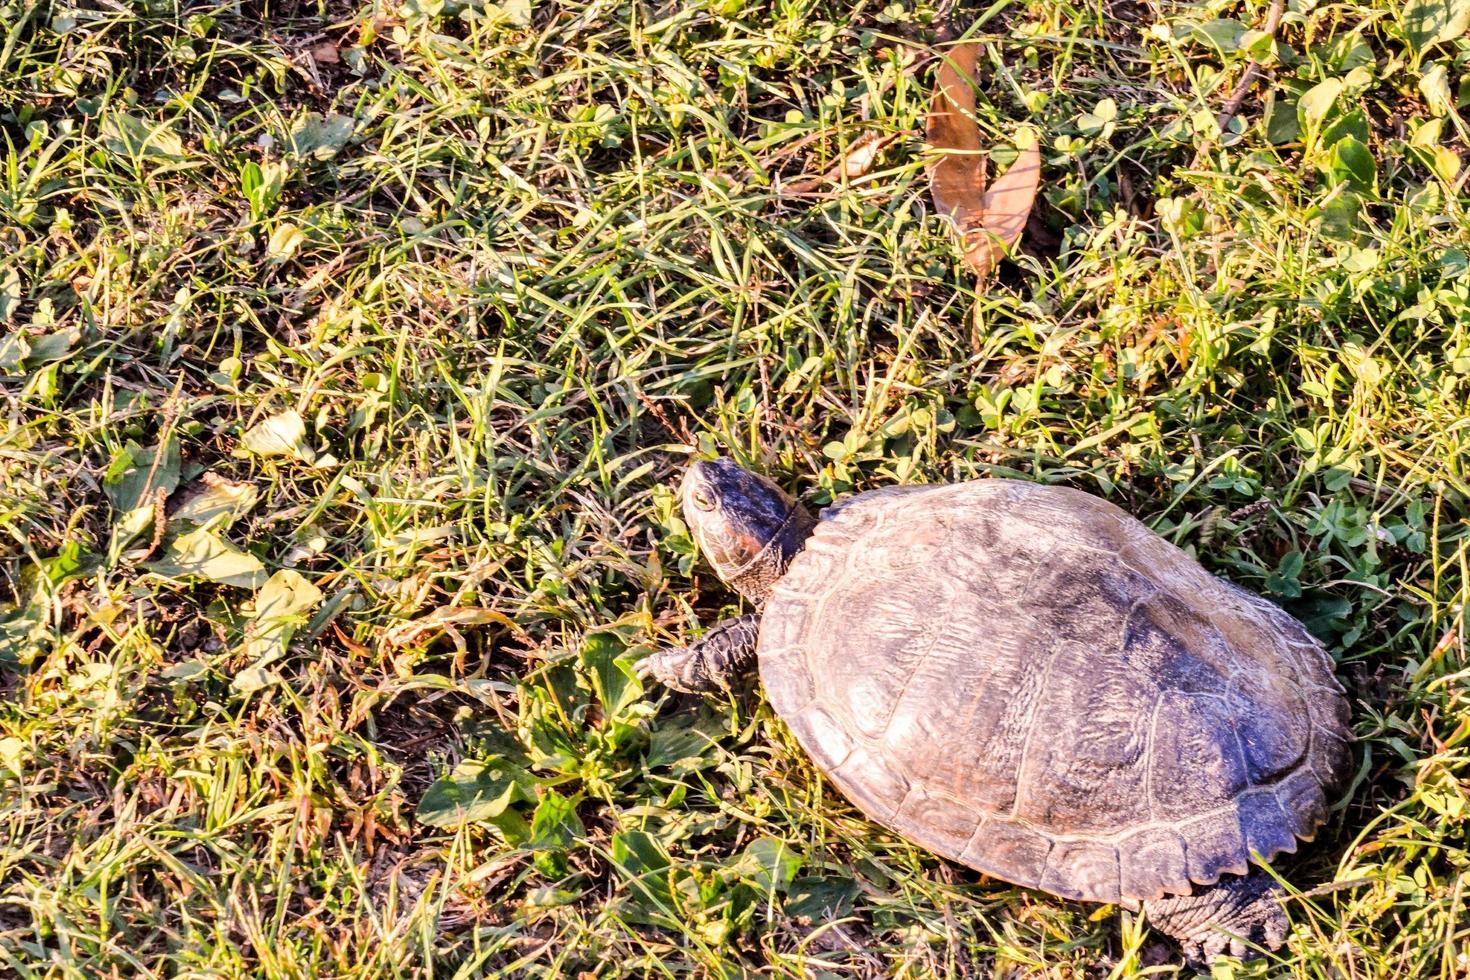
1025,679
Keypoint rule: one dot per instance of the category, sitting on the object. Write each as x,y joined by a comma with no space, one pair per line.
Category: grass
349,352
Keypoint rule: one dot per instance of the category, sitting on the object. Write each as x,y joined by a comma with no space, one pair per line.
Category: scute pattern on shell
1028,681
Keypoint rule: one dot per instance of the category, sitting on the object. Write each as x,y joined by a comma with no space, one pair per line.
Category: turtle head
745,525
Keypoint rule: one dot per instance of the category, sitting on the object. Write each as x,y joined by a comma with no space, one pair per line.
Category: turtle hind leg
1238,915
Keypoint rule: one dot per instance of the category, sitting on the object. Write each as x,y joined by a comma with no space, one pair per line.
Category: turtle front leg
1238,915
714,661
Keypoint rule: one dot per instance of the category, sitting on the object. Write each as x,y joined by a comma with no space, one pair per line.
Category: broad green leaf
556,823
554,827
319,137
1427,134
23,628
1222,34
1434,85
667,746
52,346
1259,46
1317,101
286,594
186,670
284,242
768,864
820,899
417,11
1341,217
204,554
512,826
10,293
1098,121
13,752
251,181
253,679
127,528
1446,163
1348,51
603,656
129,136
1325,616
638,852
1282,124
283,434
1351,161
685,740
642,860
15,347
135,475
1425,23
213,501
261,186
516,13
71,562
1285,580
474,792
549,743
281,606
1352,123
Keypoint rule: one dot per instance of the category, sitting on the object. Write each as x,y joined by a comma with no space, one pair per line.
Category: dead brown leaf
957,178
988,220
1008,202
856,161
326,53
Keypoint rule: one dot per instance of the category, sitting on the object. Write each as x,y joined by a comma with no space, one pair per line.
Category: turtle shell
1028,681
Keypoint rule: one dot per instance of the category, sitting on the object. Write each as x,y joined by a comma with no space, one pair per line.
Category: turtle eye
702,500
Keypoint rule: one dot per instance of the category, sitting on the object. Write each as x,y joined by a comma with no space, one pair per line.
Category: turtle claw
671,668
1207,950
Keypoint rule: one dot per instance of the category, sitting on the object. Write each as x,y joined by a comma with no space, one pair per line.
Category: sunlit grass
422,307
